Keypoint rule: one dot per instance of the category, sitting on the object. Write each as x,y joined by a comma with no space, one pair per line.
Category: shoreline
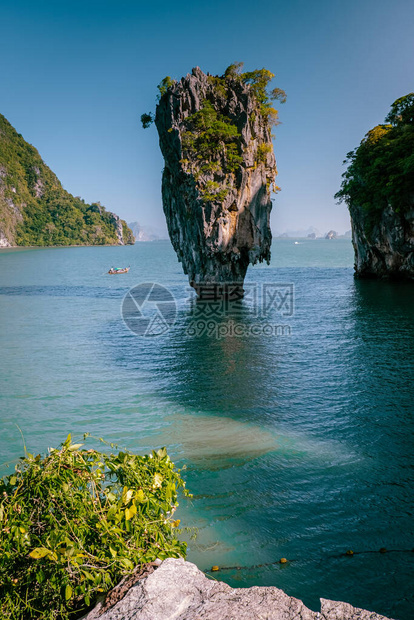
83,245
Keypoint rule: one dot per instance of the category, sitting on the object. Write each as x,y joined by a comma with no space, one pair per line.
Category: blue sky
76,76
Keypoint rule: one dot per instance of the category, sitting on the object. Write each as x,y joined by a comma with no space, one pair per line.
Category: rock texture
216,239
177,590
384,249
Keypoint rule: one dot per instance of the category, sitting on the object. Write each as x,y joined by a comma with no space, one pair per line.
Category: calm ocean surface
296,446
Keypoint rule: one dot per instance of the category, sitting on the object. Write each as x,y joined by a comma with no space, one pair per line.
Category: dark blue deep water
298,444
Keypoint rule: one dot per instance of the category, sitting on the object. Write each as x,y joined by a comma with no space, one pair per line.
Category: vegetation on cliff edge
74,522
211,140
257,80
380,171
34,207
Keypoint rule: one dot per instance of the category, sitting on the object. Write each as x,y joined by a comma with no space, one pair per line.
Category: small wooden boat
118,270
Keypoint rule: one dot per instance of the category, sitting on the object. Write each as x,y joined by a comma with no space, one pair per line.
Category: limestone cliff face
386,248
218,218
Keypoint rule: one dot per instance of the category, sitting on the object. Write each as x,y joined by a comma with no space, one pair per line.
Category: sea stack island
220,169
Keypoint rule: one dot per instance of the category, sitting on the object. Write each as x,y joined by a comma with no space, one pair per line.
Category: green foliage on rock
212,192
165,84
262,152
380,171
212,138
127,234
258,80
74,522
34,207
147,119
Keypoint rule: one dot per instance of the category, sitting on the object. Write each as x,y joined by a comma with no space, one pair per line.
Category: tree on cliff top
380,171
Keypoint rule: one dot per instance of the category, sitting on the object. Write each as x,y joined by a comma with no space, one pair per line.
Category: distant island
35,210
312,233
146,233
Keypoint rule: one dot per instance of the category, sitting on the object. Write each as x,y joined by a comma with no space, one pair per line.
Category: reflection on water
295,446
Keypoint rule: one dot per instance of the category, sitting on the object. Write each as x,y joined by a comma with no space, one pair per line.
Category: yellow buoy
349,552
214,568
383,550
283,560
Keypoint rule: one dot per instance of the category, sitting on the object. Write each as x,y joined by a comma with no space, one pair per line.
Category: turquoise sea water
296,446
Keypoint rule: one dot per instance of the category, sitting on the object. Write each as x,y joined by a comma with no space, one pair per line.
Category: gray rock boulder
177,590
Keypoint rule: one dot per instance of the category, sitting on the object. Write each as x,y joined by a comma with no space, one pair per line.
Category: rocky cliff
36,210
215,136
384,248
177,590
378,187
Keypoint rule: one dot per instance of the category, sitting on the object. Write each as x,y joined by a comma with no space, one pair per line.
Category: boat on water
118,270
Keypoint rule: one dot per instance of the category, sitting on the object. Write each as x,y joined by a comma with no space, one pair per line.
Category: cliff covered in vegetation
36,210
215,136
378,187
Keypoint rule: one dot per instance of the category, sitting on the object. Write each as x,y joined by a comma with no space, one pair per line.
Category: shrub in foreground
76,521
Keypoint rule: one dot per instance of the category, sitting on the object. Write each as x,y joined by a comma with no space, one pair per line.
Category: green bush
262,152
212,192
74,522
212,137
164,85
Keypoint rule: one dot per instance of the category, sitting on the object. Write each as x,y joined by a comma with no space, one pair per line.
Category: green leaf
40,576
127,563
75,446
112,512
127,495
139,496
130,512
157,481
68,440
68,592
39,552
13,480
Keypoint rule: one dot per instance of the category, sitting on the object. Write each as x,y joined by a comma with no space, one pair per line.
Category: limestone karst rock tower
215,136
